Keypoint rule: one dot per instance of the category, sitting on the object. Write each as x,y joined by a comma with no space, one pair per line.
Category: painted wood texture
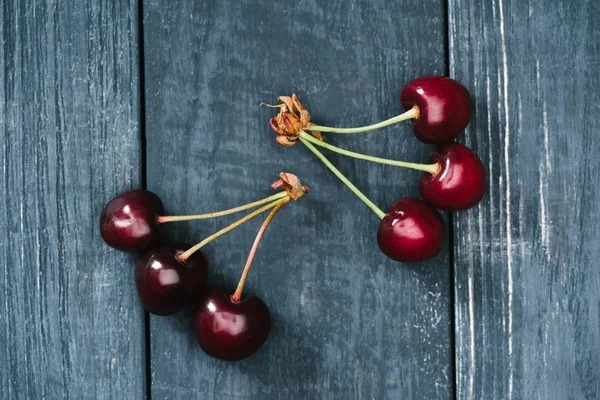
527,278
348,323
70,323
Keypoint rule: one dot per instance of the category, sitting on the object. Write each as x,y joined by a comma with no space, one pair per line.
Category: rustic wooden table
98,97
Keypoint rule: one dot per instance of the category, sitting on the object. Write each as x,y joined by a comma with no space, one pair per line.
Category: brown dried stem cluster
291,184
293,118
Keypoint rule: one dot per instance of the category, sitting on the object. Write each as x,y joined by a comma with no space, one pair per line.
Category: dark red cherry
164,284
411,231
128,222
231,330
460,184
444,106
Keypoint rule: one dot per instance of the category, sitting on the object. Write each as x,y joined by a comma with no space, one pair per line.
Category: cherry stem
188,253
176,218
433,169
341,176
413,113
237,296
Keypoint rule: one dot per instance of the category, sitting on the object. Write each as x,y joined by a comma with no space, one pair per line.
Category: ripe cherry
411,231
460,182
455,177
165,284
231,330
444,107
131,220
232,327
128,222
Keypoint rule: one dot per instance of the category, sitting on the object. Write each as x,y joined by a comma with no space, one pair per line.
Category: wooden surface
70,323
348,322
510,311
527,281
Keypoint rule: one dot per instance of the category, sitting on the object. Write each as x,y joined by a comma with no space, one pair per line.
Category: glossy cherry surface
231,330
460,184
411,231
128,222
444,105
164,284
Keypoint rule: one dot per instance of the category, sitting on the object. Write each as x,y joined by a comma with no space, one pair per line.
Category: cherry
444,107
164,284
411,231
439,107
231,327
455,177
128,222
460,183
231,330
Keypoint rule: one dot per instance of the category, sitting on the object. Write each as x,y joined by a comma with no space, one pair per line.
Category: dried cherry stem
188,253
433,169
341,176
237,296
161,219
413,113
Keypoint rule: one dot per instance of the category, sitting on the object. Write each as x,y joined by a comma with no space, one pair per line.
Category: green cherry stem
188,253
413,113
433,169
341,176
237,296
161,219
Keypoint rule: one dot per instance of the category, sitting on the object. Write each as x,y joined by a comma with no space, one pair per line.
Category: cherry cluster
228,326
439,108
171,276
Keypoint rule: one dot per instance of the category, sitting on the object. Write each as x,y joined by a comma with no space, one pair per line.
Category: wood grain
70,323
348,323
526,259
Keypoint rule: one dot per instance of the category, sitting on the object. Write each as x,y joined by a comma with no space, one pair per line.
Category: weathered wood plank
348,322
527,277
70,324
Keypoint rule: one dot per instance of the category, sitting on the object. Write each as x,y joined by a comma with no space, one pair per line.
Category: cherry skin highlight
128,222
230,330
460,184
444,108
411,231
164,284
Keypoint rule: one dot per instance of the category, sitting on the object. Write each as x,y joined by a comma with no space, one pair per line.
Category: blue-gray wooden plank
527,276
348,323
70,323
